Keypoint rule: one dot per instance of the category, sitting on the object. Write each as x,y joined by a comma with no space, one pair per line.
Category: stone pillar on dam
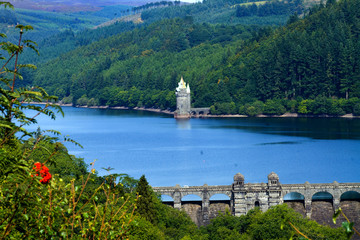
316,201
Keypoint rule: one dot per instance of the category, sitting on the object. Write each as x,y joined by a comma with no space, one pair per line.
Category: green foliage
252,109
284,66
274,107
304,106
31,208
146,202
223,108
347,225
272,224
226,226
269,8
222,12
176,224
140,229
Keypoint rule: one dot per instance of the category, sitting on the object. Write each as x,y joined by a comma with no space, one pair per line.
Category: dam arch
305,198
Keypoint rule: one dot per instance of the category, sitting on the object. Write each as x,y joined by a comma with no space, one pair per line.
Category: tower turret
183,101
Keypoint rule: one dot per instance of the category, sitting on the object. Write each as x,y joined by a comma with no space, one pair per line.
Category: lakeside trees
297,67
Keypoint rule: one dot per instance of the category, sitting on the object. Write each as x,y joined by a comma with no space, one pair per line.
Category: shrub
274,107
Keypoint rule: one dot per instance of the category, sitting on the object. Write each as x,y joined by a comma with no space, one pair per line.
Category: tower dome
273,176
273,179
239,177
238,181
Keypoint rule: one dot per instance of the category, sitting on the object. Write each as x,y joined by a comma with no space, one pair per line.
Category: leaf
336,214
347,226
29,41
24,27
32,92
57,133
32,66
63,234
7,4
33,48
5,126
67,139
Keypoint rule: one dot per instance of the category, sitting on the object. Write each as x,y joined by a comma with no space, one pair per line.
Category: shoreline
168,112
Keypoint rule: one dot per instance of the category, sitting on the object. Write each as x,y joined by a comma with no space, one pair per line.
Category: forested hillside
310,66
47,24
228,12
58,33
65,41
314,58
141,67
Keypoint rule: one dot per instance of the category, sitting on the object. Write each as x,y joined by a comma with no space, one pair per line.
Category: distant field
250,3
307,3
135,18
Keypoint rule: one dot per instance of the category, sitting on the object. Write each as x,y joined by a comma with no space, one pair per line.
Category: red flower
43,171
37,166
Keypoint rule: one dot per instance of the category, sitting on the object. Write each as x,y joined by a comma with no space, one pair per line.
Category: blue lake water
212,151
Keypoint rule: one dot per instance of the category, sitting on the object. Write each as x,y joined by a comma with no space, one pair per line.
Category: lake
198,151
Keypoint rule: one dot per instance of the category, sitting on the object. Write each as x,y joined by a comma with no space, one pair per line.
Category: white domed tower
183,101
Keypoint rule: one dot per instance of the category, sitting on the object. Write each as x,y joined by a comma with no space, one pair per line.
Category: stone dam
315,201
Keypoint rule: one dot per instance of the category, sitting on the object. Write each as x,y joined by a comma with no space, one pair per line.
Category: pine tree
146,204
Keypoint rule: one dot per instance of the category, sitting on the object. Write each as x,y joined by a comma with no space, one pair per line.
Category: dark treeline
155,5
270,8
218,11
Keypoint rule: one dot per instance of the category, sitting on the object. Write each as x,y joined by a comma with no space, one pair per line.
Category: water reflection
183,123
315,128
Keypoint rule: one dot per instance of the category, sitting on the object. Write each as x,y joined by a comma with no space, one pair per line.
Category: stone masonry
183,101
245,196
